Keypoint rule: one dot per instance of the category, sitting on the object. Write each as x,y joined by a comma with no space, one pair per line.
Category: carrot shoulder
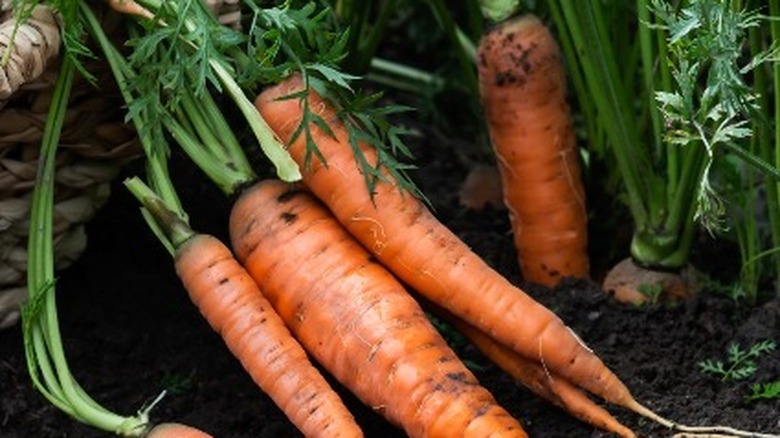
523,92
356,319
232,303
405,236
176,430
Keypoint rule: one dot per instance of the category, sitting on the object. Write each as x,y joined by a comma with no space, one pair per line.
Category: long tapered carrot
231,302
523,92
405,236
356,319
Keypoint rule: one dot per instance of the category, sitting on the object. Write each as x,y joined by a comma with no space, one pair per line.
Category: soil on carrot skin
130,331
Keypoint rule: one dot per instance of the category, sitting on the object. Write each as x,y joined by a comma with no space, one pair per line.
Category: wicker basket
94,145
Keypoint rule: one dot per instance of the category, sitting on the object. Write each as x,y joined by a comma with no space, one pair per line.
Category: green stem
368,43
406,71
586,106
233,152
123,74
228,179
175,231
286,168
611,99
465,57
684,200
646,38
43,341
274,150
771,172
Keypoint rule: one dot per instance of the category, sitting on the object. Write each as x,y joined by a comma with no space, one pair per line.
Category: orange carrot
534,376
543,383
232,303
356,319
523,92
405,236
131,7
176,430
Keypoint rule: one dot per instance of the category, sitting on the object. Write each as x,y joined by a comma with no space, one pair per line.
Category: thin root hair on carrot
698,431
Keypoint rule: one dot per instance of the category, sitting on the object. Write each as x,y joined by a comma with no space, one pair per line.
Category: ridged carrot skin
176,430
356,319
523,91
405,236
235,308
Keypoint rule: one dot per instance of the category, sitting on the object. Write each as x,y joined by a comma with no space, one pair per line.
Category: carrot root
695,430
705,435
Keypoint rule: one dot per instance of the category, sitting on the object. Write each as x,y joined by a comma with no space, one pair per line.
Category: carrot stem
46,361
123,74
286,168
593,130
610,97
649,73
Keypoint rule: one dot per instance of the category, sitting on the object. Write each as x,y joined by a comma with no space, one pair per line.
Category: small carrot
231,302
523,91
405,236
356,319
176,430
234,306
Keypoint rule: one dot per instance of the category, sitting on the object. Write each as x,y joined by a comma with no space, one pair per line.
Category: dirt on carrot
523,92
356,319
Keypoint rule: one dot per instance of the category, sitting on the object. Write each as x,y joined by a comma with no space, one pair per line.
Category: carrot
232,303
543,383
523,91
176,430
534,376
356,319
405,236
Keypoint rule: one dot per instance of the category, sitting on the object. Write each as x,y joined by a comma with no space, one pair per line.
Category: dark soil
130,332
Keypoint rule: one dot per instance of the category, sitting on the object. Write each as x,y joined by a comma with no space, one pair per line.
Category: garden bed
130,332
